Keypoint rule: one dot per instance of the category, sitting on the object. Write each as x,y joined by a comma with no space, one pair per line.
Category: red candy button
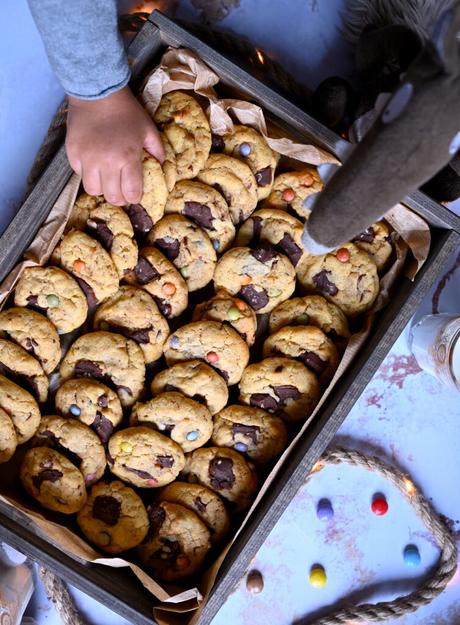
288,195
343,255
212,357
379,505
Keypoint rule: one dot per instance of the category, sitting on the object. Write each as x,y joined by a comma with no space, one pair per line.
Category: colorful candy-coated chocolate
233,313
324,510
288,195
152,482
318,577
254,582
240,305
104,326
52,300
241,447
379,505
342,255
303,318
245,149
192,436
185,271
168,288
74,410
78,265
216,244
174,342
412,556
212,357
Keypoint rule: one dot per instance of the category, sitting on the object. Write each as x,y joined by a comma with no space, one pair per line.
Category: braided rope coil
441,574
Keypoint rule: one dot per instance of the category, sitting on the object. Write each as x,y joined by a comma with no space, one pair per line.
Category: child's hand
104,145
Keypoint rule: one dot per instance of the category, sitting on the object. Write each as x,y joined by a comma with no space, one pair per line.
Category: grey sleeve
83,45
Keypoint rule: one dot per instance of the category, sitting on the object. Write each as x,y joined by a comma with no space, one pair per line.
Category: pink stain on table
395,369
373,398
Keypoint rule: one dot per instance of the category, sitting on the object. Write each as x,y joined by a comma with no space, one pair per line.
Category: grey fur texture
419,15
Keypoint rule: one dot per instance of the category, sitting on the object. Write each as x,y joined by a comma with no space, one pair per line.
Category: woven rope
440,576
57,592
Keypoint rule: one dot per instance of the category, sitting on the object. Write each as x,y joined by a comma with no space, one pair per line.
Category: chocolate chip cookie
114,517
216,343
90,265
53,480
311,310
111,226
169,164
235,181
54,292
15,362
156,275
133,313
377,242
251,431
33,332
177,541
261,277
92,403
308,344
204,502
182,120
8,438
186,421
347,277
224,471
196,380
142,457
281,386
291,189
188,247
277,228
248,145
76,441
152,205
232,310
206,207
110,358
21,407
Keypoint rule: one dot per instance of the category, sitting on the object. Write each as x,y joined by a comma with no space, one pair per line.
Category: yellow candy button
126,448
318,577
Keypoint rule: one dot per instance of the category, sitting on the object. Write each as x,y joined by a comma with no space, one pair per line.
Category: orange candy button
343,255
168,288
78,265
288,195
212,357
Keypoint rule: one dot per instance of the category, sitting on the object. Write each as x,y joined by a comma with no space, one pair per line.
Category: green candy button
53,300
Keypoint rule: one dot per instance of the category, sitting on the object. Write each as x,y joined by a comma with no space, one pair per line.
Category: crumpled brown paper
181,69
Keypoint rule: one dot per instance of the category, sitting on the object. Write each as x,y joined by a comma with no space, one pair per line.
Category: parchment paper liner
182,69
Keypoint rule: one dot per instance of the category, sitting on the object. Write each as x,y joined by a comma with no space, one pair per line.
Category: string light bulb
260,56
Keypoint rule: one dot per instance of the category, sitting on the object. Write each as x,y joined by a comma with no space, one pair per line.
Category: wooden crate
118,588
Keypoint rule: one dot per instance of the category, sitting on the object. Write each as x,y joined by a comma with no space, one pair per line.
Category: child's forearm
83,44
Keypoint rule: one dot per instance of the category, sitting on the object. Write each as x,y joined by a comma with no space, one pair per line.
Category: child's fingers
111,187
131,182
91,180
152,143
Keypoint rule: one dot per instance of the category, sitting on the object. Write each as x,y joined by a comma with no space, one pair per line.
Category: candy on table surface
241,447
245,149
288,195
324,510
254,582
379,504
342,255
411,555
318,576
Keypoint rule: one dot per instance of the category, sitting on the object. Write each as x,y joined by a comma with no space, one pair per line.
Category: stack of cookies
188,361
